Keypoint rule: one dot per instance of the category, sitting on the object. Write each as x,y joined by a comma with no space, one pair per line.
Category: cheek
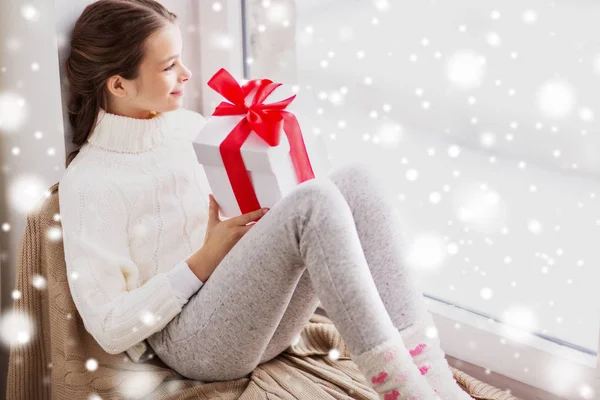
161,86
165,84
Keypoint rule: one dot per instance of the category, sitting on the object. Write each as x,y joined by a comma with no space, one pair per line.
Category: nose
186,75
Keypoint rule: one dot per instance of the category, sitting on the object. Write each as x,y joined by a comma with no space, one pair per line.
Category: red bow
267,121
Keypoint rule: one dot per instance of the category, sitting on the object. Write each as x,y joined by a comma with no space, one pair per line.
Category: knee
356,180
318,192
353,174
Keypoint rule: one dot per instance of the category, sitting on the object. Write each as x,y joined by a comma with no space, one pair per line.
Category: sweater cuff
184,281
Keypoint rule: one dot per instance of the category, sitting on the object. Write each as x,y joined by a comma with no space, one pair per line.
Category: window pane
481,121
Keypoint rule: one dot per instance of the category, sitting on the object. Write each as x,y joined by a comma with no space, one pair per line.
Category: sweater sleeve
184,281
102,277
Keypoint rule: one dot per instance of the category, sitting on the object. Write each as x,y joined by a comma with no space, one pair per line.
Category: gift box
252,148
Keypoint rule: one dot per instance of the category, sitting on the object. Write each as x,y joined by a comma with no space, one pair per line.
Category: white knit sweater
132,210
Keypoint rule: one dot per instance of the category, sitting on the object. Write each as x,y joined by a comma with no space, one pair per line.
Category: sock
390,371
422,341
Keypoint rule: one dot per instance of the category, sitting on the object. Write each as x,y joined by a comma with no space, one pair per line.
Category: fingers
213,210
242,220
251,216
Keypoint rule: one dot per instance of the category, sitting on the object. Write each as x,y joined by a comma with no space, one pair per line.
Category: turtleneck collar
128,135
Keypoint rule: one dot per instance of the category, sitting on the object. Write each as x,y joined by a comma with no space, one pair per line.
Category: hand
221,236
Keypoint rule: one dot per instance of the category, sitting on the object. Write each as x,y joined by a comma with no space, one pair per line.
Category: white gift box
270,169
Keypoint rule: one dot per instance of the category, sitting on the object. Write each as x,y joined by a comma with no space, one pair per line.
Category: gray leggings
333,239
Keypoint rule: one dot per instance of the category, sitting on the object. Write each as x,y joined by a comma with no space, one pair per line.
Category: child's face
161,73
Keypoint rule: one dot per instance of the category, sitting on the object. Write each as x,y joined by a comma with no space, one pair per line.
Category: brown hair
107,39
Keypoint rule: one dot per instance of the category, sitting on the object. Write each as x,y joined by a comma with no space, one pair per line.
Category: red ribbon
267,121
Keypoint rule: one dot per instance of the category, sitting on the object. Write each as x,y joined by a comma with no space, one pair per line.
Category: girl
148,264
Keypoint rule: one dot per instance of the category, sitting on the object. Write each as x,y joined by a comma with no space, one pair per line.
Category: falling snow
483,130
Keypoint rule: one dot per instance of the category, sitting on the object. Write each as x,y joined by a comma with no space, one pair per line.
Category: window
481,121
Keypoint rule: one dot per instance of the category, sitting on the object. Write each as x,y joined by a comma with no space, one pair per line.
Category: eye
170,67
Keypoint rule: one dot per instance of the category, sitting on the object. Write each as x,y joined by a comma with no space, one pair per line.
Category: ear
115,86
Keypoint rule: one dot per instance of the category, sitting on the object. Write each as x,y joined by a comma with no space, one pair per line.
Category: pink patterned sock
390,371
424,345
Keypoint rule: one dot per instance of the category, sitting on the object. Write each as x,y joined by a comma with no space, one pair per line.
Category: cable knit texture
132,210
